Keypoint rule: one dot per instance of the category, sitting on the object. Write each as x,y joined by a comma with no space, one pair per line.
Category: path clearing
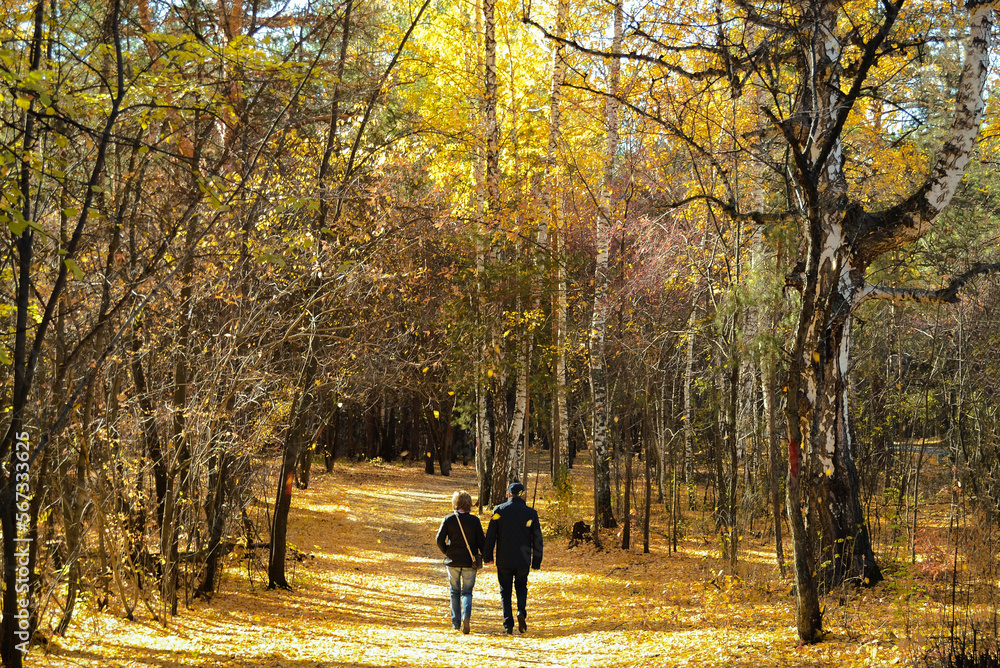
372,592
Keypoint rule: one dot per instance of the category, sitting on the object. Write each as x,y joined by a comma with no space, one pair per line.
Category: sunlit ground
370,590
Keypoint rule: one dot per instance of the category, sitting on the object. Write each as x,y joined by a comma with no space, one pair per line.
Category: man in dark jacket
515,533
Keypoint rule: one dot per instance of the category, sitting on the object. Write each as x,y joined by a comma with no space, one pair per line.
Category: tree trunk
14,640
554,205
437,438
834,514
598,378
218,491
732,433
627,505
388,451
721,505
484,191
517,453
648,449
218,466
332,439
821,450
501,448
774,457
73,502
371,434
490,114
484,449
286,477
177,477
562,459
688,416
147,422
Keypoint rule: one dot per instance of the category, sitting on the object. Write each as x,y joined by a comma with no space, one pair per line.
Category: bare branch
945,295
800,159
867,62
708,73
733,212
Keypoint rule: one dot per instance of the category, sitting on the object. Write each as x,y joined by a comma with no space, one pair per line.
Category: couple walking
517,538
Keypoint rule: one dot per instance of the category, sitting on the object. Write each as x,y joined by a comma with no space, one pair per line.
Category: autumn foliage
718,281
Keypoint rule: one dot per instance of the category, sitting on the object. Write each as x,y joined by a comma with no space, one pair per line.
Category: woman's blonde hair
462,500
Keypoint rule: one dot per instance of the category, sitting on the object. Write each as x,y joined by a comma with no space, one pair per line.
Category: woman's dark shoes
522,626
465,626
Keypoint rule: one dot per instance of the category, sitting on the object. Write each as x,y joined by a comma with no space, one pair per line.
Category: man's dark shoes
522,626
509,631
465,626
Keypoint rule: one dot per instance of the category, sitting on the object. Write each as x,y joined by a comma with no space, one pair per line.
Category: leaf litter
371,591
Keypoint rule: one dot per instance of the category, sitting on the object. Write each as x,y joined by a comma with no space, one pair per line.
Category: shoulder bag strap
459,520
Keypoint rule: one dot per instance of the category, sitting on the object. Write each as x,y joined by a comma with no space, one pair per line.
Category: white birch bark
905,223
602,468
688,416
550,233
562,416
516,459
843,241
484,449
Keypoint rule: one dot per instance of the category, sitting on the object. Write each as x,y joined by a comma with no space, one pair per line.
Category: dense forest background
249,237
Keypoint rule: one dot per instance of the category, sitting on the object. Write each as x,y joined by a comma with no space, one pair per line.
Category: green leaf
4,357
271,258
16,227
16,222
72,266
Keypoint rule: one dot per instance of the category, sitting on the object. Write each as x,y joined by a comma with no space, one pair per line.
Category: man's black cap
515,489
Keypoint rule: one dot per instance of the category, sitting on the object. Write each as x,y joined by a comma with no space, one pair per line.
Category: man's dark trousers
518,578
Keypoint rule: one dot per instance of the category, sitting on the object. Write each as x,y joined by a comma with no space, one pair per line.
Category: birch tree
551,233
842,240
598,378
822,69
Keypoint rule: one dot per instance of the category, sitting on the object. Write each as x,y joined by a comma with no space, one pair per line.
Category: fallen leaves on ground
371,591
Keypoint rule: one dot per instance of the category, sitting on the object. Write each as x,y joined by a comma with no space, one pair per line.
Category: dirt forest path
371,591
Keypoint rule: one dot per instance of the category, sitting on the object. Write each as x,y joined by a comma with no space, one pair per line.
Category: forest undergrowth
369,590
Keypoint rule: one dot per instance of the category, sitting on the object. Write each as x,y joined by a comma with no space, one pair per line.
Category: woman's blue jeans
461,581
